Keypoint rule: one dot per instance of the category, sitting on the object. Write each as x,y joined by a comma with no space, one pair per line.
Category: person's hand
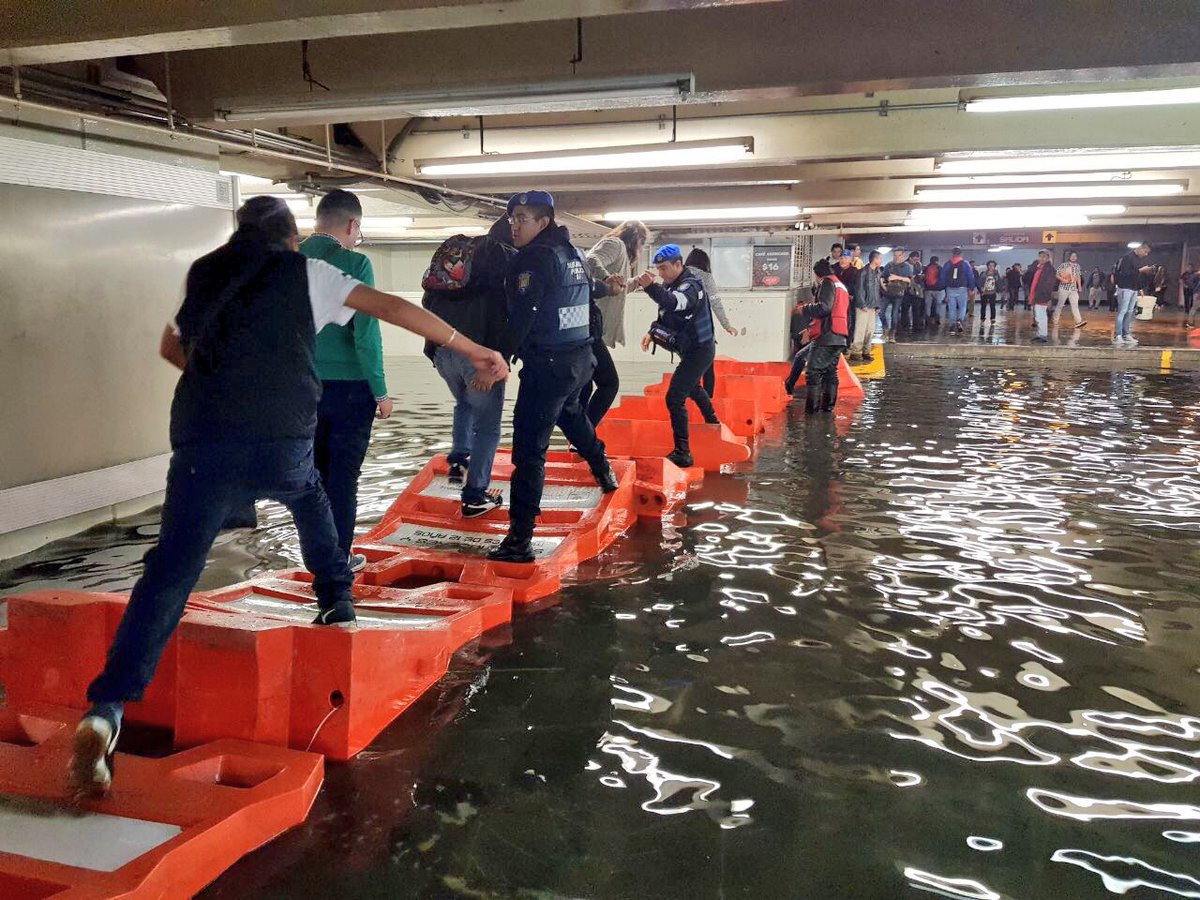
489,364
645,343
616,283
482,384
383,408
646,279
731,331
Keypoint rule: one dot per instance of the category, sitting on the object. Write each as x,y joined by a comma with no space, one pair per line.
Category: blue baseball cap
667,252
527,198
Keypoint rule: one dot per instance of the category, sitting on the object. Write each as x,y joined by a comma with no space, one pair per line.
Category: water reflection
933,653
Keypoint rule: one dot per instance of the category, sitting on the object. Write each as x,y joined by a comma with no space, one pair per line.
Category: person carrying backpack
464,285
935,293
959,280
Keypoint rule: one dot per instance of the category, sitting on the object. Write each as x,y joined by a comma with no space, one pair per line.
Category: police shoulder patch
523,282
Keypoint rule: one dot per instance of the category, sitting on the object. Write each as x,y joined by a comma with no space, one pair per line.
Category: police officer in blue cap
549,301
685,317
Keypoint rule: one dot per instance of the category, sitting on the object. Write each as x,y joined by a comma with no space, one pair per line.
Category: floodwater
955,650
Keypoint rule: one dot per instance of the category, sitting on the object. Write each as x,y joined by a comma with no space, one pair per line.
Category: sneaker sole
476,513
89,774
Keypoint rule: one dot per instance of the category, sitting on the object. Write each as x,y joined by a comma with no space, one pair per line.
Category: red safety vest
839,321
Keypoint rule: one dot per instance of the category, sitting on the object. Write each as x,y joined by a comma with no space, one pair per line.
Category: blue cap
667,252
847,254
525,198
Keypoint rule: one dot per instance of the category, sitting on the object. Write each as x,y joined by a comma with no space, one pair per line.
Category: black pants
823,376
1189,298
912,313
344,418
599,393
685,383
798,361
548,396
987,306
708,380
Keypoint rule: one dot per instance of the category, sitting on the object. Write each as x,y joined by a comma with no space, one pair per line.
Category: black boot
681,455
812,401
604,475
831,393
712,420
517,546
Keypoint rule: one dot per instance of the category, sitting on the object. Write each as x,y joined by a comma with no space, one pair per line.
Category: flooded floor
954,650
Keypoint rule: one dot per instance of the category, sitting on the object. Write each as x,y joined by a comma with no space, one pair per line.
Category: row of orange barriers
262,695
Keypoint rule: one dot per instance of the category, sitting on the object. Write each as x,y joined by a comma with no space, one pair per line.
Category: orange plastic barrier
246,662
168,828
765,389
712,446
745,418
423,536
661,486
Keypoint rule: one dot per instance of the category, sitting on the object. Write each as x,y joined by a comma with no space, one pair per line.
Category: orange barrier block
848,383
745,418
168,828
765,389
423,538
725,365
712,446
661,486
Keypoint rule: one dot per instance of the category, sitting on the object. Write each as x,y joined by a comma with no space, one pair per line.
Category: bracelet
381,399
453,335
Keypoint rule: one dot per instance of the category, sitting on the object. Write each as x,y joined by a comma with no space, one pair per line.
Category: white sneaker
91,768
1130,343
1118,341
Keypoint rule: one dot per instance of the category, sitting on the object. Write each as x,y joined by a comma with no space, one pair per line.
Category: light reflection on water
952,651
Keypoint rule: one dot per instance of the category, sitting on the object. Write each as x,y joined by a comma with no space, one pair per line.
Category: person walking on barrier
549,313
685,327
242,426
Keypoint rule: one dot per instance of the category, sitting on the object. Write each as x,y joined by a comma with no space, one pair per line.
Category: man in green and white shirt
349,362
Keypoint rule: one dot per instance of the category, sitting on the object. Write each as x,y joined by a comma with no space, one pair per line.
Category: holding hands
645,279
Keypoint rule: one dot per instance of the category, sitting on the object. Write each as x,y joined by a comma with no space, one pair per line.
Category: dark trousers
204,482
548,396
1189,298
798,361
823,376
685,383
987,306
601,390
708,380
912,313
344,418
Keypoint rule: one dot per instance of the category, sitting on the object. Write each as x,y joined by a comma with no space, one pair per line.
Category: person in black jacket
479,311
828,320
684,311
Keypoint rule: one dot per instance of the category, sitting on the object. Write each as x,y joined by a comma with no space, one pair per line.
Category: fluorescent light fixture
1045,192
999,249
994,217
487,100
594,159
1133,245
705,215
1105,100
1023,179
1067,161
249,181
883,251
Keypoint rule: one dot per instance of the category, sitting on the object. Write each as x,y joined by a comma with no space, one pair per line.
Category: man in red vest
828,333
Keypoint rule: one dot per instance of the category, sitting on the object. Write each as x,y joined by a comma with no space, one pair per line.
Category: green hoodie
352,352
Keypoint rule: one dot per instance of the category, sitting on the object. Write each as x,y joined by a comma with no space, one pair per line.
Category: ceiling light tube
1047,192
1023,212
1104,100
594,159
579,94
1022,179
1062,161
706,215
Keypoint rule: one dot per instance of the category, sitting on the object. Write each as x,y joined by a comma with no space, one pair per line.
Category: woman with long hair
617,253
699,262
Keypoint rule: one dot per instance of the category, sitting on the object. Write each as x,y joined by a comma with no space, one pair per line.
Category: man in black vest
242,425
549,300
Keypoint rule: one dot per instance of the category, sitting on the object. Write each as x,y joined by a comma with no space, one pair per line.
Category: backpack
957,277
933,274
450,268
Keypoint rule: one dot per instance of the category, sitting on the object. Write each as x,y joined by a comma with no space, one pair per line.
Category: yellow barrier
873,369
1167,356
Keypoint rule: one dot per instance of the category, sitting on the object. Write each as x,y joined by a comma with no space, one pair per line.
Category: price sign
772,266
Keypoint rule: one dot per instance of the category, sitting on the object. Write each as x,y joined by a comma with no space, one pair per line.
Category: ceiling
859,121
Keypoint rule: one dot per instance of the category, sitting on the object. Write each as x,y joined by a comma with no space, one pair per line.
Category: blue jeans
1126,308
889,312
344,418
476,431
935,301
204,482
956,299
1041,316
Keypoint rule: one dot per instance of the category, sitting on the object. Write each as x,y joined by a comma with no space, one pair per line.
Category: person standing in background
1027,280
701,267
989,285
1041,292
870,294
1070,284
1187,283
935,294
896,276
1095,288
350,365
856,259
959,278
1013,276
912,308
1128,277
615,254
848,275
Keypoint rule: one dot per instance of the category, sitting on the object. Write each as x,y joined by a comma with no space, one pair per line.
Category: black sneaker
513,550
1081,324
90,772
341,613
491,500
605,477
681,458
457,474
357,562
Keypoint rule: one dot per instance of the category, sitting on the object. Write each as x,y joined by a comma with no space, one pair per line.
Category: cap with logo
667,252
530,198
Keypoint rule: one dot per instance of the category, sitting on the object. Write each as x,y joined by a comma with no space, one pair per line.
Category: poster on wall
772,266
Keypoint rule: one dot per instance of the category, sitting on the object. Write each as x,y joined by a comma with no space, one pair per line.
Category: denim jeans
956,299
344,418
1041,316
476,430
935,304
204,482
1126,308
889,312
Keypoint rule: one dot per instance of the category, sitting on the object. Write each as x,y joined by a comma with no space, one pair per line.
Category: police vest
251,371
839,319
564,318
694,325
